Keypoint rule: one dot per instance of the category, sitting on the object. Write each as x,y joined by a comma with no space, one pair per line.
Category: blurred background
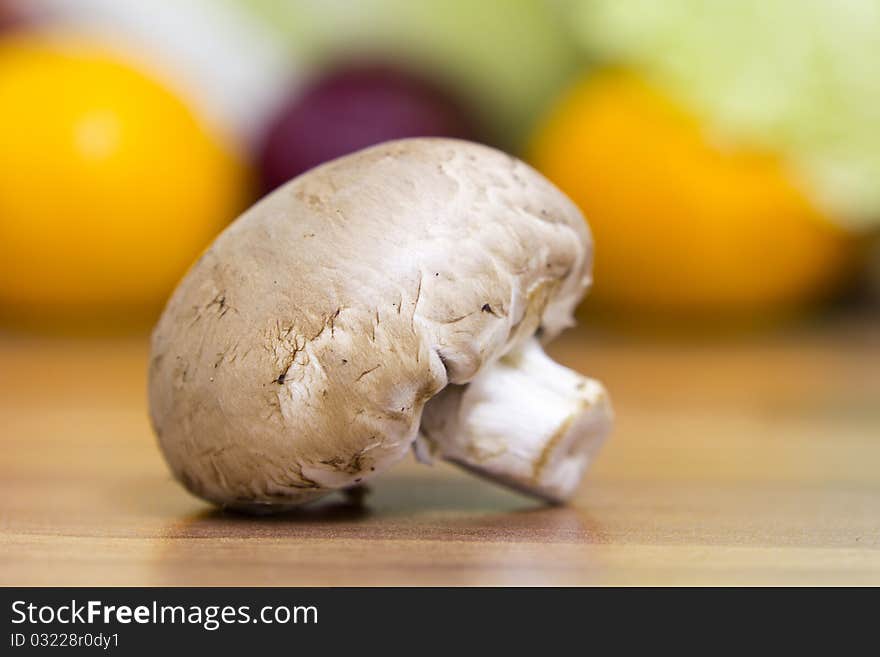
727,155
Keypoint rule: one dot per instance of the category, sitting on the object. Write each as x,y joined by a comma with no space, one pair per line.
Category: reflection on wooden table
744,461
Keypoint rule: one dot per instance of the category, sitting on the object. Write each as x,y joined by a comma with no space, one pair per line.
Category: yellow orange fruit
682,226
109,185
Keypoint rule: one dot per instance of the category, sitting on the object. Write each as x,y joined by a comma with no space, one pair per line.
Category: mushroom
398,287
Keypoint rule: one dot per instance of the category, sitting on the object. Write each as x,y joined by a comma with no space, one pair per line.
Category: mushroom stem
525,421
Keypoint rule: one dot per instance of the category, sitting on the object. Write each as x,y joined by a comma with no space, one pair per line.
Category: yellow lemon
109,185
682,226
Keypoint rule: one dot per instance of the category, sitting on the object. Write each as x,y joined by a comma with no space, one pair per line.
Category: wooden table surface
738,461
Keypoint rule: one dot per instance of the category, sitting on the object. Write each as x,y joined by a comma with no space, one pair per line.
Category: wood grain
735,461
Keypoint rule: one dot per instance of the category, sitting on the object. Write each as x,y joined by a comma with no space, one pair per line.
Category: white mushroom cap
297,355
